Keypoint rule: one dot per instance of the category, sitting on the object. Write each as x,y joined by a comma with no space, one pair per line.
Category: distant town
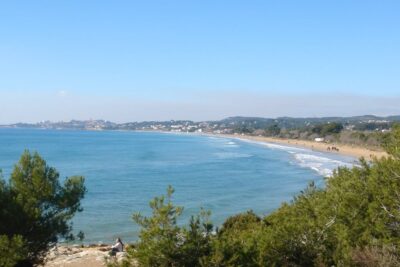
365,130
231,125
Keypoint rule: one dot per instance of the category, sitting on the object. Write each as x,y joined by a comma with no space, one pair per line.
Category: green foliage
164,243
273,130
391,142
80,236
243,129
372,126
327,128
197,240
35,208
160,236
12,250
237,242
385,256
292,236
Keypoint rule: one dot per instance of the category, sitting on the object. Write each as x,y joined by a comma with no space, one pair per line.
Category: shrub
237,242
376,257
36,209
163,243
12,250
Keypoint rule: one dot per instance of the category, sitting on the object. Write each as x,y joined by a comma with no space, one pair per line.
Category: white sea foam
290,149
231,144
322,163
282,147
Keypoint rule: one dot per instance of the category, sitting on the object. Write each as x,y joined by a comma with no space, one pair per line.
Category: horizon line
229,117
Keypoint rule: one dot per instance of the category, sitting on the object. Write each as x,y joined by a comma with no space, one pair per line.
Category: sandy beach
348,150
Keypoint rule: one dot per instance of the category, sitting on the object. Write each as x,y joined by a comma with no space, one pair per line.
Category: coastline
93,255
346,150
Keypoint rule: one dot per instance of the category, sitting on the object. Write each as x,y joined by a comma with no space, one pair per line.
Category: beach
347,150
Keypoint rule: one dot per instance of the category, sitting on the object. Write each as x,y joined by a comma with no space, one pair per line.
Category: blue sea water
125,170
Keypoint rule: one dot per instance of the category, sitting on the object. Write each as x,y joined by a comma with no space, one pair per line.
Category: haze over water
124,170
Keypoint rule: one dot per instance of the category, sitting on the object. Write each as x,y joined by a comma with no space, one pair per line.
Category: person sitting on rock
118,247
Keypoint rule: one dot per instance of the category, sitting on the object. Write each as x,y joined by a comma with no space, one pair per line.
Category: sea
124,170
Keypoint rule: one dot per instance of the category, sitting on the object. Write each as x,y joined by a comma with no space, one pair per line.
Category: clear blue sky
139,60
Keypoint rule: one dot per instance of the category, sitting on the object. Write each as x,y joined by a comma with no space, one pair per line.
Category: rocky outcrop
77,256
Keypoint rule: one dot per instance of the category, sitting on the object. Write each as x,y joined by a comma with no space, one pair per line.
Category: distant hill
227,125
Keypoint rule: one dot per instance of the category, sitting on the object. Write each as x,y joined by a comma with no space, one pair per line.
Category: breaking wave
322,163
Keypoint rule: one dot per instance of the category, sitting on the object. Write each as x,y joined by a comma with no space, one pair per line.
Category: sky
200,60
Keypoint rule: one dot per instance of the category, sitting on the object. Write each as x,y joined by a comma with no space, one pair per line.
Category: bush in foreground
163,242
237,242
35,210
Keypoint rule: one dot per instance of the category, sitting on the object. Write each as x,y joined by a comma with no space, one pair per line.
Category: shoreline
346,150
74,255
343,149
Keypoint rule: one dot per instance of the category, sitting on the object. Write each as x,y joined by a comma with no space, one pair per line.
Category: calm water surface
124,170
